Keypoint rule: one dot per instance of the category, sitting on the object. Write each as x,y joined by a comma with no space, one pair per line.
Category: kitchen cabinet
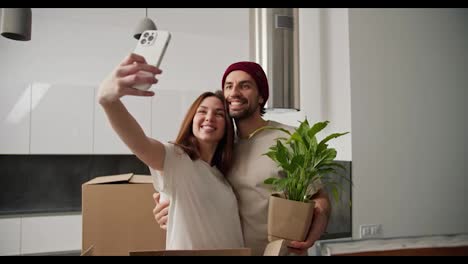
61,118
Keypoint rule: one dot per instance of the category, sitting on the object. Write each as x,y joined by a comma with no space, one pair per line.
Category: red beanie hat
255,71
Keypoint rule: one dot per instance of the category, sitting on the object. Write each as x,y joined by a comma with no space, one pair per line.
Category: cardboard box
275,248
118,221
118,216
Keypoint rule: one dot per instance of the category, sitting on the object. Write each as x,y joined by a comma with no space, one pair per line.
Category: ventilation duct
274,45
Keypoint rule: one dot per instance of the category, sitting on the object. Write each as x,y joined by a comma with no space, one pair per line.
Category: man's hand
319,224
160,211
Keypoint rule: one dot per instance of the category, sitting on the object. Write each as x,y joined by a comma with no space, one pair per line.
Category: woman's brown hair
222,157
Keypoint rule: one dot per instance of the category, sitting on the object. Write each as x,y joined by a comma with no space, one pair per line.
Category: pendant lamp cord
146,12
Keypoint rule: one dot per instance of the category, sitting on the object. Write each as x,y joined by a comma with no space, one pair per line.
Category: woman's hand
131,71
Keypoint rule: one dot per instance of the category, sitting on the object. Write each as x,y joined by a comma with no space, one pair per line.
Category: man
245,87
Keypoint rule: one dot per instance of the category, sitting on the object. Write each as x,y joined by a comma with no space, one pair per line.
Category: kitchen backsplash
52,183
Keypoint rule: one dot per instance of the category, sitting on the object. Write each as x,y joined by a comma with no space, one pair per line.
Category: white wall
79,47
335,71
409,86
324,76
83,45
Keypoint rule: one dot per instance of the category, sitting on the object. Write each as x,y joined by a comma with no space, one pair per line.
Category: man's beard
244,114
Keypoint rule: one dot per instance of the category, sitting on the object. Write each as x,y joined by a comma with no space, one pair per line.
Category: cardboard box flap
141,179
88,252
111,179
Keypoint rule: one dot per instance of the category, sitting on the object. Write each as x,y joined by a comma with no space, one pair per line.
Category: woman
203,212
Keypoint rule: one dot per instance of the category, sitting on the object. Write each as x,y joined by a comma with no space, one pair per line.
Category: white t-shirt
250,169
203,213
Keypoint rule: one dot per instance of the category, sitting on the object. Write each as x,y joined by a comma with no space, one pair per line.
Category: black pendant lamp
16,23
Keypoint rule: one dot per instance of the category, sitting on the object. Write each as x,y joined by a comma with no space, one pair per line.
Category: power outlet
371,231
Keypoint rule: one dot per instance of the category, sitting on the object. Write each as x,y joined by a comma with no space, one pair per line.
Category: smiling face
241,93
209,120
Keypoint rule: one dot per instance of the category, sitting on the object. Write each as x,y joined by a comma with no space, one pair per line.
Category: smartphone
152,46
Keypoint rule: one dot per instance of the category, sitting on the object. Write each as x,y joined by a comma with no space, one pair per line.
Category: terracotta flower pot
288,219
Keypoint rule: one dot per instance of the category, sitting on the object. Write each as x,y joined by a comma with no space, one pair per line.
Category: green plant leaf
296,137
270,181
322,146
317,128
303,127
313,144
282,154
297,161
302,132
282,183
303,161
272,155
325,156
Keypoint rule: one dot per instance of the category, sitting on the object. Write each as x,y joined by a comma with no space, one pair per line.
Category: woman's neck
207,151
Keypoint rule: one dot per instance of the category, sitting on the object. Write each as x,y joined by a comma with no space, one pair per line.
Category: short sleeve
164,181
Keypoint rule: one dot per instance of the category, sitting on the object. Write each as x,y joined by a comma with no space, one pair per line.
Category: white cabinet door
62,119
51,233
106,140
15,105
10,236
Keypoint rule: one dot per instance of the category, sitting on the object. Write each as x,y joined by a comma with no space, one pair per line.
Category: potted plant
304,163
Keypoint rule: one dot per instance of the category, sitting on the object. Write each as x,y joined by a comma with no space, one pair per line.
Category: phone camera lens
146,34
143,41
150,38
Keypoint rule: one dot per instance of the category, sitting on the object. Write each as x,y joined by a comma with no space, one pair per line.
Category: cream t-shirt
250,169
203,212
